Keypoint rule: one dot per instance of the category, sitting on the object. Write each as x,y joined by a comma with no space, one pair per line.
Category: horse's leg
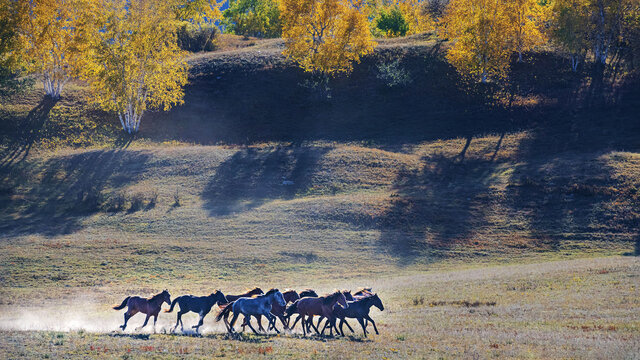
295,322
248,318
272,319
200,322
361,321
315,327
146,320
259,320
319,321
349,326
127,316
155,320
304,324
233,321
367,317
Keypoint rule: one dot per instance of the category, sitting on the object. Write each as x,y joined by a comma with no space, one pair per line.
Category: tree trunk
130,119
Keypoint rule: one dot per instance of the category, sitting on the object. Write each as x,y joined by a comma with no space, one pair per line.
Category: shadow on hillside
562,184
252,177
29,132
66,191
436,207
242,104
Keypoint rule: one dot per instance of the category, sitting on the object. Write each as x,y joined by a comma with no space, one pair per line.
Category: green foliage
391,22
259,18
195,39
393,74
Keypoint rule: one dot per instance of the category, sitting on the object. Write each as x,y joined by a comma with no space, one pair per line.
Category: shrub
137,201
116,202
391,22
393,74
259,18
195,39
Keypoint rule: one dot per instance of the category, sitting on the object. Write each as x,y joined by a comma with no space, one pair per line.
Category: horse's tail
173,304
124,303
292,309
227,309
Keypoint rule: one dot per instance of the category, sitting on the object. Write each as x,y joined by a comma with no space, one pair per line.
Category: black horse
359,310
198,304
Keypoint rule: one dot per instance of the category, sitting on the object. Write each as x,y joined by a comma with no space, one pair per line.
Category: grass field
488,230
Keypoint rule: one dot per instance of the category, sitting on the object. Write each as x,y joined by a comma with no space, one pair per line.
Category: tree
52,35
416,15
525,19
391,22
259,18
12,15
134,63
197,12
325,36
477,29
570,28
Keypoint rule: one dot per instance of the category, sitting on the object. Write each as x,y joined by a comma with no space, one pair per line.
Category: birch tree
52,35
325,36
477,29
525,18
134,63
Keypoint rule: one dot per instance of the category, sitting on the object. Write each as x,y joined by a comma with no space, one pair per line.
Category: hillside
259,180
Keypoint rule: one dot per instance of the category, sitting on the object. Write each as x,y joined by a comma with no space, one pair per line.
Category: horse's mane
364,291
272,291
286,291
329,298
156,296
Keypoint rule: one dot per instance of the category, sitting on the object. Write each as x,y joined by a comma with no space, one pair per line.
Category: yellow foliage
325,36
52,36
134,62
526,18
478,29
197,12
416,17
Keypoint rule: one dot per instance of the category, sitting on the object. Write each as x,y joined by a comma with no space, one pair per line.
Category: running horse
198,304
231,298
311,306
253,306
359,310
150,307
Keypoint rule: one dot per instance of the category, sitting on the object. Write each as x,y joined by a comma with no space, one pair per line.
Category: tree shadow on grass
435,207
52,198
28,133
252,177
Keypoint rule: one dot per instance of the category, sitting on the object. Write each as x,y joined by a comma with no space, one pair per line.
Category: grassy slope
379,192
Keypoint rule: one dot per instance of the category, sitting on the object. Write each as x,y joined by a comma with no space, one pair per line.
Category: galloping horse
198,304
311,306
150,306
232,298
359,310
278,311
259,305
347,296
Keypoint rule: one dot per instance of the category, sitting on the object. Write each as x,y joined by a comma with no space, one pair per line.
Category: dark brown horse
150,306
198,304
311,306
231,298
358,310
278,311
347,295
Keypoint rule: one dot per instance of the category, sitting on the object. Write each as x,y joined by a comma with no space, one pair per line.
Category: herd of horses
273,305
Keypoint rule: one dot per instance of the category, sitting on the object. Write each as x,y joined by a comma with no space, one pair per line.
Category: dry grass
559,309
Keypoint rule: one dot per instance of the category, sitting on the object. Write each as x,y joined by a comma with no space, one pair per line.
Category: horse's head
218,297
290,296
256,291
342,300
377,302
308,293
277,296
347,295
166,297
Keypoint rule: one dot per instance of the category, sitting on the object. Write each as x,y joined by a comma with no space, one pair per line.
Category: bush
393,74
194,39
259,18
391,22
116,202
